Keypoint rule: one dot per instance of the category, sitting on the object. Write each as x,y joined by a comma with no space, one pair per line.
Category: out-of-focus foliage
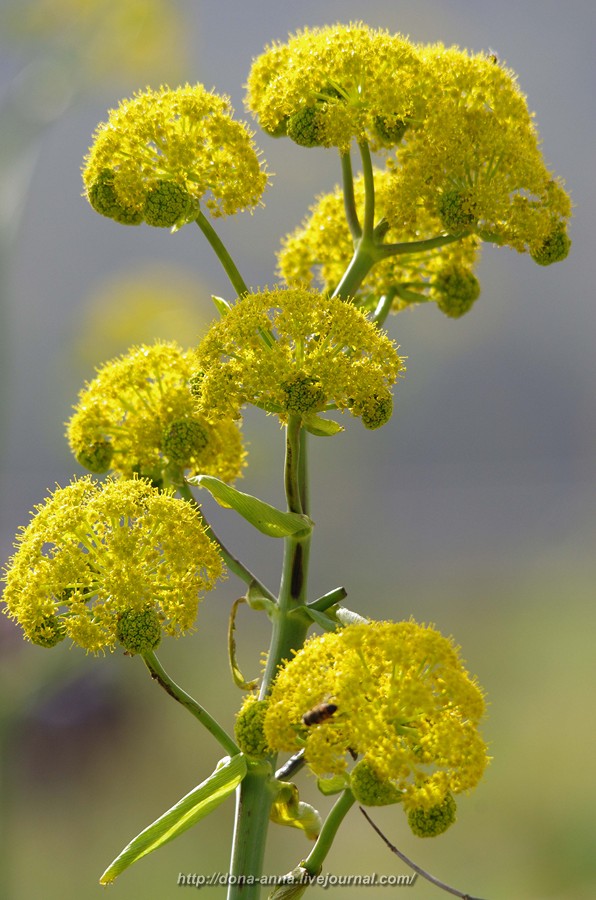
107,41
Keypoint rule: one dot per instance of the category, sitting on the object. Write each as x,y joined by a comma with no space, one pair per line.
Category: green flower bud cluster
434,821
375,411
48,631
303,394
185,439
138,630
457,289
554,248
95,456
370,789
391,129
249,728
457,210
103,198
305,127
167,204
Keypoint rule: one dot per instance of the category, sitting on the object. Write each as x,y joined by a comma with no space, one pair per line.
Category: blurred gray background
474,508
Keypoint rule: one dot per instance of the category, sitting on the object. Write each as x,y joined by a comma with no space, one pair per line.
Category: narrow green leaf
321,427
321,619
267,519
333,785
190,809
221,305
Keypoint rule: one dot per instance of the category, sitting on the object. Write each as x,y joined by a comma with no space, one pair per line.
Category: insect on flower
319,714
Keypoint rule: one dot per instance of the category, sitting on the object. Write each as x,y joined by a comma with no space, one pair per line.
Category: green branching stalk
314,861
441,240
369,191
222,254
349,199
163,679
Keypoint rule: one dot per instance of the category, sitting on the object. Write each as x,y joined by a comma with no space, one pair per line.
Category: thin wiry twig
412,865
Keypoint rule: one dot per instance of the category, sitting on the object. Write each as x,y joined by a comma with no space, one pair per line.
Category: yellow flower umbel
475,160
296,352
328,86
403,702
163,152
101,564
137,416
322,247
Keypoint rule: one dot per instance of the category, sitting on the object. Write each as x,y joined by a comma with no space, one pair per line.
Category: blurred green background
474,508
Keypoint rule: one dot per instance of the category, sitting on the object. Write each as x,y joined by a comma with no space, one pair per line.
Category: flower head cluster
100,564
475,159
328,86
467,153
321,247
138,416
403,702
162,152
296,352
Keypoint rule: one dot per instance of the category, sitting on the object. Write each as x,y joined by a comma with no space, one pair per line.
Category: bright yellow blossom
296,351
138,416
328,86
475,160
99,563
322,247
404,703
467,152
163,152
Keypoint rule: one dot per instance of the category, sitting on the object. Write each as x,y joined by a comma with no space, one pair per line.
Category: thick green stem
163,679
364,258
222,254
289,631
253,806
315,859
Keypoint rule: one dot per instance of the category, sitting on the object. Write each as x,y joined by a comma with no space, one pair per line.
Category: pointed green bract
265,518
189,810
